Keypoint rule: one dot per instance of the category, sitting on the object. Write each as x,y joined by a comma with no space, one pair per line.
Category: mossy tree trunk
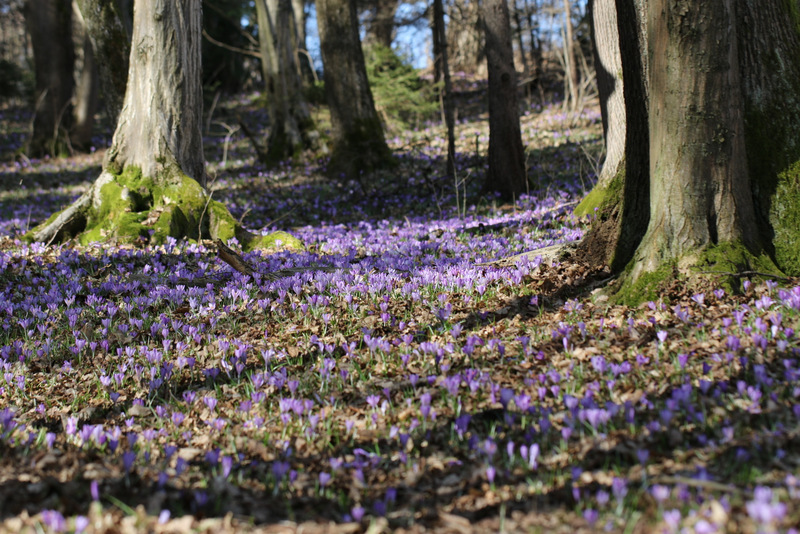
358,142
152,184
291,127
608,73
722,166
506,174
49,24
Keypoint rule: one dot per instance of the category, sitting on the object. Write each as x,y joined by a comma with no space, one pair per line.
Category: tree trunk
506,173
49,24
724,161
608,73
358,142
440,44
526,73
111,43
291,126
303,58
571,79
464,35
381,28
86,93
622,195
152,184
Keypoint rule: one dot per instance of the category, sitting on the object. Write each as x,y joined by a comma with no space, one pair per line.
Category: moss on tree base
725,261
129,207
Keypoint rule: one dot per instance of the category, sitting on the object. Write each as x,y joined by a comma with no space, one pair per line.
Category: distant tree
442,74
105,26
571,77
506,173
358,141
86,95
49,24
291,126
153,178
381,24
716,188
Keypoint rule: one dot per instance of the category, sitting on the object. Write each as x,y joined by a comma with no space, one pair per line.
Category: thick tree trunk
441,64
111,43
291,127
699,187
769,67
724,158
506,173
49,24
152,184
358,141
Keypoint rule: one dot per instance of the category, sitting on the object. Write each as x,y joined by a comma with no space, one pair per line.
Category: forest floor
411,383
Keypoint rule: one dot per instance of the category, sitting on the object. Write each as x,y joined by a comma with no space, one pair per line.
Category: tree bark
506,173
608,67
381,28
622,195
291,126
49,24
440,61
152,184
358,142
723,159
111,44
86,93
303,58
571,78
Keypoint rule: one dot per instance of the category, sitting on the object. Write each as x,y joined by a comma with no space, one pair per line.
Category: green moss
785,212
649,286
602,195
221,224
133,207
274,240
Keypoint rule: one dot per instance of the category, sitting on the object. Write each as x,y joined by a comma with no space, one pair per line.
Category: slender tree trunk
303,58
536,48
506,173
571,77
111,45
291,127
440,44
519,31
608,73
358,141
49,23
